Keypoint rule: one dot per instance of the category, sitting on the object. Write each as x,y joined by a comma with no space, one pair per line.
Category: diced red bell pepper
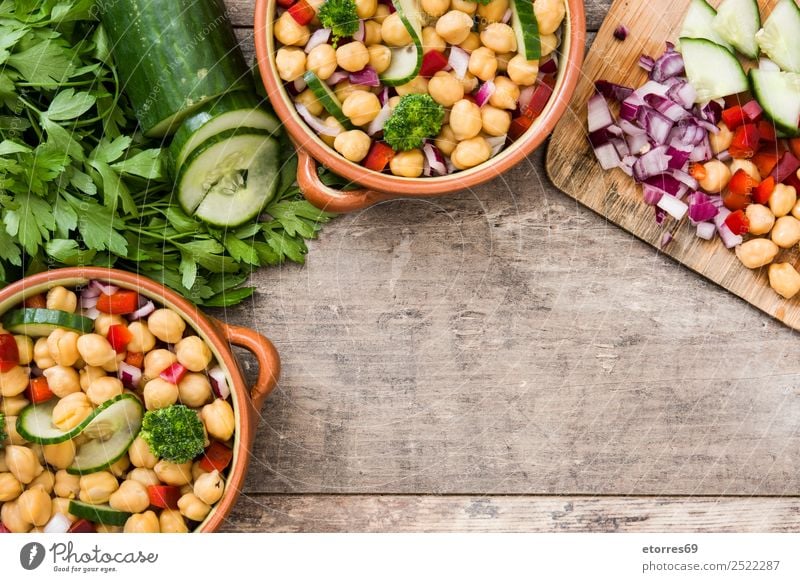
216,457
285,3
35,302
745,141
734,201
766,131
741,183
765,162
173,374
135,359
539,99
378,157
738,222
733,117
164,496
39,390
120,303
9,353
794,145
302,12
433,61
82,526
119,336
763,191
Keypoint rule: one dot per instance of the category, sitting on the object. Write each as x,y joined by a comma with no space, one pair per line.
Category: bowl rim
202,324
304,137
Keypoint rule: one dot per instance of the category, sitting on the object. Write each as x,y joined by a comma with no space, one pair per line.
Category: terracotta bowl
219,336
376,186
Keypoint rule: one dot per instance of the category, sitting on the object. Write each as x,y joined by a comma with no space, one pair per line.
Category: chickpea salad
114,416
418,88
713,140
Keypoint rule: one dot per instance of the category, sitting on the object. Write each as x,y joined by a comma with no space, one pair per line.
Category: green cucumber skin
19,320
172,58
416,40
785,129
330,102
527,31
103,514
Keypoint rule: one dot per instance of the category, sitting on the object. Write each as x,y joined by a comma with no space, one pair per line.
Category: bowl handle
269,362
327,198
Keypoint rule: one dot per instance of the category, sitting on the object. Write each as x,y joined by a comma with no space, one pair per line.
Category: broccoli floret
340,16
174,433
415,118
3,434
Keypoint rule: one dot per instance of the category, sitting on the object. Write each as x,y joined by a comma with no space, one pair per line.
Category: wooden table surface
503,359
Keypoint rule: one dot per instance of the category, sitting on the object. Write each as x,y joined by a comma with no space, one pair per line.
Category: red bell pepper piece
285,3
120,303
734,201
752,111
745,141
763,191
164,496
733,117
766,131
119,337
302,12
794,145
378,157
39,390
35,302
738,222
765,162
173,374
82,526
539,99
433,61
9,353
216,457
741,183
135,359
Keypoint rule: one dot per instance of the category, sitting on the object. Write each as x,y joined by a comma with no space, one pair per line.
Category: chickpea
784,279
353,145
46,480
331,121
158,393
12,518
446,140
59,455
721,140
470,153
166,325
321,60
10,487
361,107
209,487
13,405
470,82
757,252
380,57
465,120
14,382
786,232
394,32
62,299
140,454
366,8
97,487
197,470
174,473
435,8
41,354
499,37
549,14
63,380
24,348
482,63
492,12
113,364
495,121
144,476
142,341
192,507
218,416
287,30
71,411
472,42
381,12
796,210
146,522
782,199
415,85
749,167
465,6
522,71
61,505
120,466
171,521
394,102
505,95
431,41
407,164
63,346
34,506
290,62
353,56
89,374
104,321
66,485
310,101
131,496
193,353
548,44
22,463
445,89
95,349
454,26
14,438
103,528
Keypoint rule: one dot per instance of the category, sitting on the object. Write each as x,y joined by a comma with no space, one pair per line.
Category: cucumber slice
37,322
779,96
738,21
780,37
698,23
526,27
112,429
326,96
406,60
104,514
235,110
712,69
230,178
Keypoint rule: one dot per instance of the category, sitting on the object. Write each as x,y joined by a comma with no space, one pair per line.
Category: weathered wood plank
276,513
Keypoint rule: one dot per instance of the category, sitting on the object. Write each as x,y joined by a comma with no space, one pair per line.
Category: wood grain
518,514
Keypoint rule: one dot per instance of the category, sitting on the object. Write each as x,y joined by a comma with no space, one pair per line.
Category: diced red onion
786,166
666,238
666,107
729,239
366,76
655,124
675,208
706,230
683,93
87,302
670,64
685,178
646,63
702,212
506,16
629,110
525,96
621,147
651,88
92,313
765,64
486,91
630,129
599,113
377,124
702,153
621,32
143,311
667,184
459,60
497,144
719,219
219,382
320,36
383,96
337,77
651,194
104,288
724,156
58,524
752,110
361,33
660,215
434,159
173,373
129,375
316,123
90,291
613,90
678,157
638,144
550,66
607,156
653,163
712,111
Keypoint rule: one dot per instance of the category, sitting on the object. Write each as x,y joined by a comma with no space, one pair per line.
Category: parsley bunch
80,186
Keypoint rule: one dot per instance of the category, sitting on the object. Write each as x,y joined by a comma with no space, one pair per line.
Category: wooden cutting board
573,168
